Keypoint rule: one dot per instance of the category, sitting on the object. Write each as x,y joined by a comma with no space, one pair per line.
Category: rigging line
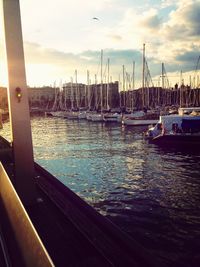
104,74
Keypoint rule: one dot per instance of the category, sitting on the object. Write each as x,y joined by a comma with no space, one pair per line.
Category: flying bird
95,18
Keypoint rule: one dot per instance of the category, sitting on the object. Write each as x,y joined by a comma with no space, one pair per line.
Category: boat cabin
187,121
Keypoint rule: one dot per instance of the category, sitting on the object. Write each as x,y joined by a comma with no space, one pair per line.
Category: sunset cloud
61,36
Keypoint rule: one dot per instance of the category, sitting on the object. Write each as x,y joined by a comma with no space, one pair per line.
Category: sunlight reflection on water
150,192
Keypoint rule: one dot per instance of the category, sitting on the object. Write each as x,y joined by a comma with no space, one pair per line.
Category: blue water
151,193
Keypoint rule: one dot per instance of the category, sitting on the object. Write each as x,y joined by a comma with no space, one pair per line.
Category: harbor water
151,193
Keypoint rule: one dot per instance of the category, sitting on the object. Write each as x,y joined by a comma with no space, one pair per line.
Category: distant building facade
71,95
42,97
91,96
78,95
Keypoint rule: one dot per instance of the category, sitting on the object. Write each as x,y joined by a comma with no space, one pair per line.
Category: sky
62,36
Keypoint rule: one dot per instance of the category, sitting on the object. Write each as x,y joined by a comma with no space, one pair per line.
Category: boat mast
54,107
72,94
133,85
65,96
88,90
101,93
96,92
181,85
133,76
77,104
60,96
120,91
143,72
162,76
124,101
107,95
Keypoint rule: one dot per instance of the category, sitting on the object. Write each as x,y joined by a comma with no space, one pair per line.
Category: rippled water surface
152,193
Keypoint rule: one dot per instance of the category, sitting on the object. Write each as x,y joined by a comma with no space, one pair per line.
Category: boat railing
18,230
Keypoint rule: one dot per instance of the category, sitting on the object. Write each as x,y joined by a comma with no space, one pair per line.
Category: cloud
59,44
41,61
35,53
115,37
168,3
189,58
150,20
184,21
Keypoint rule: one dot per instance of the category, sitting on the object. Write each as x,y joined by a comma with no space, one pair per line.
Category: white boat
97,117
82,115
72,115
183,127
140,118
89,115
112,117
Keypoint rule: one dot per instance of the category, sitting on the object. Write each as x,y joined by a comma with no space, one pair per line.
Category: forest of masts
148,96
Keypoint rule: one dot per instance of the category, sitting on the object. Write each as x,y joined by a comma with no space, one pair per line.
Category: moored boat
112,117
140,118
183,127
82,115
97,117
73,115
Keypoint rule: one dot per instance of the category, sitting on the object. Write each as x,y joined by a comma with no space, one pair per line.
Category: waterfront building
73,95
41,97
78,95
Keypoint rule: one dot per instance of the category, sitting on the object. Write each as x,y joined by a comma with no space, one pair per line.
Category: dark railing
29,249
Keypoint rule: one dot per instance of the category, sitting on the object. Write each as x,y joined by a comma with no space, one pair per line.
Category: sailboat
71,115
110,117
56,108
99,116
84,112
142,117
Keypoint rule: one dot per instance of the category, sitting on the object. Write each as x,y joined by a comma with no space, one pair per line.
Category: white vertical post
143,73
96,92
108,86
124,99
101,92
88,90
18,106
